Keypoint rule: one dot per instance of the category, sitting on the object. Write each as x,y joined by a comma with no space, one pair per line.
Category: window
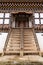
4,18
36,15
7,18
41,15
37,21
6,21
1,21
41,21
38,18
7,15
1,15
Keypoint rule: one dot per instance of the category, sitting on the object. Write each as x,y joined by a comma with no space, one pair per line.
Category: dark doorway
22,21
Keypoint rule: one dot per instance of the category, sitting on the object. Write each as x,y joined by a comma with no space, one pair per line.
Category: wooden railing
21,42
7,39
36,41
22,39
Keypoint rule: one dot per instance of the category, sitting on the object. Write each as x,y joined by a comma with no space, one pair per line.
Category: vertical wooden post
16,24
22,38
22,42
26,24
13,24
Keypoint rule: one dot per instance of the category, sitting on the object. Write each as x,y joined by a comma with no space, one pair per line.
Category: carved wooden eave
17,12
21,0
21,6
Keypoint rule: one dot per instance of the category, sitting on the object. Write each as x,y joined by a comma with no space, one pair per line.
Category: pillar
13,23
26,24
30,23
22,42
17,24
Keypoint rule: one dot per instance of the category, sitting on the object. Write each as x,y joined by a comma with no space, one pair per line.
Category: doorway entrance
22,21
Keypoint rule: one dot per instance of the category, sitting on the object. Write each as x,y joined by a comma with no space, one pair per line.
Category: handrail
22,38
36,41
6,42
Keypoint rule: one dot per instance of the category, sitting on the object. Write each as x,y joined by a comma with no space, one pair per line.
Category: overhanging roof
21,12
21,0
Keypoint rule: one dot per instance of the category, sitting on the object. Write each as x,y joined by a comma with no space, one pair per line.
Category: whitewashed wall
3,37
40,40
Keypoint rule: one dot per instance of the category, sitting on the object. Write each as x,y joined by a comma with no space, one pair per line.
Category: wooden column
26,24
16,24
30,23
13,23
22,40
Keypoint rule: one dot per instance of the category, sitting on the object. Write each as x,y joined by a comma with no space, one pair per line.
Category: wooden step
30,51
14,42
12,52
29,41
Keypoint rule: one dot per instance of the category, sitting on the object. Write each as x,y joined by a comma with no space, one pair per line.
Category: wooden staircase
13,46
16,43
29,42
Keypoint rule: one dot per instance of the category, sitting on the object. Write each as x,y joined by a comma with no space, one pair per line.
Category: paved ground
30,58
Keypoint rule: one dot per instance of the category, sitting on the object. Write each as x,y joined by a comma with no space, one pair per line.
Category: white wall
40,40
3,37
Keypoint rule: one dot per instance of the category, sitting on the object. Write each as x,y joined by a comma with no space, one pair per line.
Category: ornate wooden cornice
21,0
21,6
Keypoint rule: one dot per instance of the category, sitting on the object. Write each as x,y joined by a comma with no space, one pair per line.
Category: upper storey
21,0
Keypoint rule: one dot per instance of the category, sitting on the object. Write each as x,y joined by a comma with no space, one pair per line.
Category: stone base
30,58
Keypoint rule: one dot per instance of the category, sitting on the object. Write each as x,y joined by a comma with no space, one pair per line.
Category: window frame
1,22
5,18
38,22
1,16
6,22
38,18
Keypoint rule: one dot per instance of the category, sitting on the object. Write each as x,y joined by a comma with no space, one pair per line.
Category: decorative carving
21,6
21,0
